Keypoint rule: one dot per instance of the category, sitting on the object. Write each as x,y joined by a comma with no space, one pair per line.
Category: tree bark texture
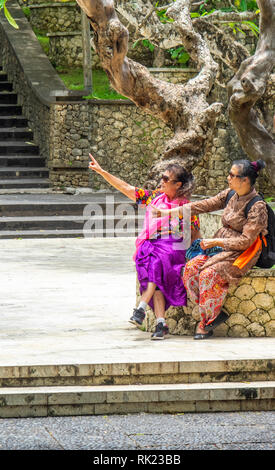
184,108
248,86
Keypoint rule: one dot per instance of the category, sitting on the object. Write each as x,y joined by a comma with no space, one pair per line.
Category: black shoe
160,331
203,336
138,317
222,317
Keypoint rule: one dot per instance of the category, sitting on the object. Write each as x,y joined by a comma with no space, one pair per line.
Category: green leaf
10,19
2,3
243,5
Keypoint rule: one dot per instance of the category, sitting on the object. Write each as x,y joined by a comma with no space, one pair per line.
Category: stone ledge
250,305
39,74
57,401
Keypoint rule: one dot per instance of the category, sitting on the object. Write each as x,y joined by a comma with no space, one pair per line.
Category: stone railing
57,116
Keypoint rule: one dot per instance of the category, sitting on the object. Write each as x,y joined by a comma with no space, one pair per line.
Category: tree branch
249,85
184,108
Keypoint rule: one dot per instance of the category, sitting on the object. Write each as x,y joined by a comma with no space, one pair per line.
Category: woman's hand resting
210,243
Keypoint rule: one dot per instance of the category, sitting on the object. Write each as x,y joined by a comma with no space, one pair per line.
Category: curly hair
183,176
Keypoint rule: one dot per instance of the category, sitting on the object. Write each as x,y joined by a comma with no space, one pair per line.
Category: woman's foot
201,333
222,317
160,332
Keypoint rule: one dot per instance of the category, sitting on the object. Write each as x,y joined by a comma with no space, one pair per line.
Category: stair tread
22,168
20,156
12,105
14,128
3,117
22,180
160,386
63,217
17,143
18,232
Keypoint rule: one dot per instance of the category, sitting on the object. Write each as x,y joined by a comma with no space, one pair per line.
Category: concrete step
14,205
18,148
133,373
8,97
107,223
24,183
10,110
25,172
5,86
157,398
66,233
3,77
21,160
16,121
15,133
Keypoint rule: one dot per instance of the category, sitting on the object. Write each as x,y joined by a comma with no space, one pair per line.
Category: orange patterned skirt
205,287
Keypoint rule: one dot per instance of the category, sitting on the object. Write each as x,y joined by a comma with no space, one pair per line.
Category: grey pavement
182,431
68,301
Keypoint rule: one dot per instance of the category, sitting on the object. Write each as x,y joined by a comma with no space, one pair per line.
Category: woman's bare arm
116,182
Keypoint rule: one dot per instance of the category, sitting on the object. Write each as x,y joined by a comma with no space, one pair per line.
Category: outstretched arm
117,183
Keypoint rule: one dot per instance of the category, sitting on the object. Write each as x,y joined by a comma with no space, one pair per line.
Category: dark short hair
250,169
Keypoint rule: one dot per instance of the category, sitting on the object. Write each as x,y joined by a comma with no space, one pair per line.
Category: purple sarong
158,261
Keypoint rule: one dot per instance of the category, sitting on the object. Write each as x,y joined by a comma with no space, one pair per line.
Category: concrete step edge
137,398
141,388
60,218
136,369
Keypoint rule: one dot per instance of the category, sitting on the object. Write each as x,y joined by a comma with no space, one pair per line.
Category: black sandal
221,318
203,335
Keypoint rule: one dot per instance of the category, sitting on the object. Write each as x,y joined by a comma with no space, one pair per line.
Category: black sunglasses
166,179
234,176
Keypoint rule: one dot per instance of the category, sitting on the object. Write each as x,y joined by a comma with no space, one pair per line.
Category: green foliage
10,19
179,55
44,42
73,80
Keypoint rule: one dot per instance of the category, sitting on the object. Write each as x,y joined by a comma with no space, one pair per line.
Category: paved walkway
67,301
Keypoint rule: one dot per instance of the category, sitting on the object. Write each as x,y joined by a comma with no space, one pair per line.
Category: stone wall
250,306
134,156
62,23
125,140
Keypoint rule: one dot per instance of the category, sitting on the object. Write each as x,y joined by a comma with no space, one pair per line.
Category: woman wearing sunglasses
160,254
207,278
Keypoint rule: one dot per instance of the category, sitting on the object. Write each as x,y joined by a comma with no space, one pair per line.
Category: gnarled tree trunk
184,108
248,86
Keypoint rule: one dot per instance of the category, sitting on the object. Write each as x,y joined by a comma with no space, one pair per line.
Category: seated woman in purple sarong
160,251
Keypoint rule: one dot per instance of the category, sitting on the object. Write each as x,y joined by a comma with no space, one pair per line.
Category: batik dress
207,279
159,257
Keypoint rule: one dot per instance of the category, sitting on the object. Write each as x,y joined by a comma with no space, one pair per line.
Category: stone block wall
125,141
62,22
250,305
69,145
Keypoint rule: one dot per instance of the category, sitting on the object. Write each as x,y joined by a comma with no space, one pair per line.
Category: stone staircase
21,166
59,215
151,387
28,208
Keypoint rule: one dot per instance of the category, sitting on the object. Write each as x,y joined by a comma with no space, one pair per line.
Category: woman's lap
161,261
